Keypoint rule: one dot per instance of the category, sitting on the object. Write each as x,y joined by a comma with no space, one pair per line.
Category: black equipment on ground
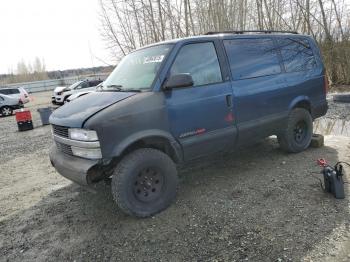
333,182
333,178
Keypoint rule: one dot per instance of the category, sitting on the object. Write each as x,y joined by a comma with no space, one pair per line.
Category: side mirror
177,81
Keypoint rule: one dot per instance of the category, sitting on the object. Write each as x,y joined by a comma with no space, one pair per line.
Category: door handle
229,101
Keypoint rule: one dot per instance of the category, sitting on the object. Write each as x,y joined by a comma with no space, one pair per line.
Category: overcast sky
60,32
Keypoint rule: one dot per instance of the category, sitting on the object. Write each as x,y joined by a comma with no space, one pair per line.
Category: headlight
90,153
59,93
83,134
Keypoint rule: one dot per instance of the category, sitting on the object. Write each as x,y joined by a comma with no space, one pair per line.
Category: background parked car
16,92
83,93
77,95
8,104
61,94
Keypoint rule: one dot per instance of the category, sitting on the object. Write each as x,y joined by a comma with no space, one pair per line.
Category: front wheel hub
300,131
148,184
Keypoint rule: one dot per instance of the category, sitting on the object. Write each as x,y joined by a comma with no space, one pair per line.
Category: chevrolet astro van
175,101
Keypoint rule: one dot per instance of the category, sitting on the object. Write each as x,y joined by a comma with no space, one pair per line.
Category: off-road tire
6,111
291,139
126,182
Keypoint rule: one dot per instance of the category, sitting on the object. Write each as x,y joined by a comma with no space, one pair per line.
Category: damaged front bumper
79,170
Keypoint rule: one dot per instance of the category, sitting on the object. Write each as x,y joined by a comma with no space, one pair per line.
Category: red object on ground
322,162
22,116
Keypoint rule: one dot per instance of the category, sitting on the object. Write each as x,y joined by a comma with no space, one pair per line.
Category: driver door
201,116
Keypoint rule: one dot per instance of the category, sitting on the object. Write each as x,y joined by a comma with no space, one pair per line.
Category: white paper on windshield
153,59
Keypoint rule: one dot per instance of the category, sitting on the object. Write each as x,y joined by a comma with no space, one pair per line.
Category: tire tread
122,171
283,139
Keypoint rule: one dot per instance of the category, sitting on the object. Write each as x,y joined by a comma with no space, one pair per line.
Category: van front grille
60,131
64,148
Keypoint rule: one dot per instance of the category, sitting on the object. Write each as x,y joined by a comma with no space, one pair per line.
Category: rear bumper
19,106
74,168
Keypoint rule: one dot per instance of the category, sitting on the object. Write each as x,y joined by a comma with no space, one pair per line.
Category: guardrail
47,85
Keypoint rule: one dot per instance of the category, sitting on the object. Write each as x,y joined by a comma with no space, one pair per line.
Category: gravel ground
257,205
338,110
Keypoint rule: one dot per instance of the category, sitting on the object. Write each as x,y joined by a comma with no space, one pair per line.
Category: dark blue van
179,100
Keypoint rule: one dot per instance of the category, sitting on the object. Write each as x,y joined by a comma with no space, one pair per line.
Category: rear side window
297,54
200,61
9,91
5,91
252,57
14,91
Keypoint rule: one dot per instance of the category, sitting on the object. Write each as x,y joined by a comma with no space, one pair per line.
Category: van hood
75,113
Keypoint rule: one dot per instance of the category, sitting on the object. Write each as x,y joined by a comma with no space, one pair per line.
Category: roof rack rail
251,31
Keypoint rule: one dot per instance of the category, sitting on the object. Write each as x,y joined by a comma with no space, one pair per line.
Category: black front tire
144,182
296,137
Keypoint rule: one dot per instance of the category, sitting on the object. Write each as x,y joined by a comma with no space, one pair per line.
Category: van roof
232,34
241,32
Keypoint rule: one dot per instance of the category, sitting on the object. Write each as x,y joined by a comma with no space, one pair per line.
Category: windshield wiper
130,90
110,88
119,88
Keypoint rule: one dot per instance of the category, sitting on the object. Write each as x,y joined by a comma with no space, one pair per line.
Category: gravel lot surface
338,110
259,204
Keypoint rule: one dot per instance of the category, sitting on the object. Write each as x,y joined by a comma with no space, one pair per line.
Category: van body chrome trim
82,144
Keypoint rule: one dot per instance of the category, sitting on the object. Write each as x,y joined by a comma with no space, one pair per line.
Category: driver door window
200,61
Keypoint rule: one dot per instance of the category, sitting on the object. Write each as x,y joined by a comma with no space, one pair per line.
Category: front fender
119,149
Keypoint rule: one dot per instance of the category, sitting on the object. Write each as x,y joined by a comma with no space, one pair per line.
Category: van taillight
325,84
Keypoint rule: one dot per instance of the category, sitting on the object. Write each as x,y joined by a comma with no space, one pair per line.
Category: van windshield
137,70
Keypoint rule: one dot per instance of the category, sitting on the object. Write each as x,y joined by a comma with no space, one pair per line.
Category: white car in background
8,104
60,94
16,92
82,93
